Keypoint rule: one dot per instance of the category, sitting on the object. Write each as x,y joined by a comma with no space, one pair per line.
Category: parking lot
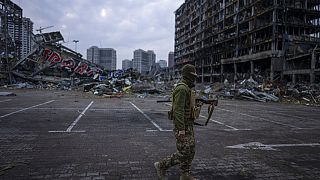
72,135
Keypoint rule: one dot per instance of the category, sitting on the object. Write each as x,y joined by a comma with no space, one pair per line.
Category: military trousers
184,154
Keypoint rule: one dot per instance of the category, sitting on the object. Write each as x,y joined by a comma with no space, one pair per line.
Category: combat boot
160,171
187,176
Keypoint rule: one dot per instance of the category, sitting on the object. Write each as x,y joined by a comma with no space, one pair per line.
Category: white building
27,42
141,61
93,55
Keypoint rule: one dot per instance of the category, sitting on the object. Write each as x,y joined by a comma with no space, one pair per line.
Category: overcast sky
124,25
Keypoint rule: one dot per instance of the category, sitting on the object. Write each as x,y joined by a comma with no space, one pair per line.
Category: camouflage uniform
183,114
182,121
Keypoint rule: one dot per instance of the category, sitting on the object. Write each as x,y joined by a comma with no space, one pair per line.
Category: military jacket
181,106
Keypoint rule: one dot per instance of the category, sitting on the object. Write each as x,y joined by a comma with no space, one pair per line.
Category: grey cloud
127,25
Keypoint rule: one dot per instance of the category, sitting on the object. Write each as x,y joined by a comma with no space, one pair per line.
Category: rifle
212,103
200,101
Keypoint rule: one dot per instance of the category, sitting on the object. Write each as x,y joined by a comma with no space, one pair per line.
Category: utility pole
75,44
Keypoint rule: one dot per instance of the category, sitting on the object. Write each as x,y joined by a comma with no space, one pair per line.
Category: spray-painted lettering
82,67
50,56
54,58
68,63
74,65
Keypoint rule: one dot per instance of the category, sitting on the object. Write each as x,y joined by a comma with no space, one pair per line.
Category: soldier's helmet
189,71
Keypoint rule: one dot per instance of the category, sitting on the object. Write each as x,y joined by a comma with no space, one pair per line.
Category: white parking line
263,119
74,122
78,118
6,100
66,131
26,109
269,147
282,111
293,116
146,116
233,128
53,108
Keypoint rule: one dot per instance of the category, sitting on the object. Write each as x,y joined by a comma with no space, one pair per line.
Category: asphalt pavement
74,135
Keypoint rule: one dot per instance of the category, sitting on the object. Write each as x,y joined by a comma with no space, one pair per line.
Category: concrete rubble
265,91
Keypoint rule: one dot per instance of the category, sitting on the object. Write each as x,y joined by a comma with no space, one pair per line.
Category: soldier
183,126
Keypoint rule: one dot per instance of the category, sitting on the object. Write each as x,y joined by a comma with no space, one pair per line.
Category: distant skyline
125,25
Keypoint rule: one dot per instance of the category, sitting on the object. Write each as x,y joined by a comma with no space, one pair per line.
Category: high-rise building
27,43
93,55
152,58
143,60
126,64
162,63
106,57
171,59
10,29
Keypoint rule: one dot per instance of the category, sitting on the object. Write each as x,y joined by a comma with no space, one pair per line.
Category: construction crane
43,28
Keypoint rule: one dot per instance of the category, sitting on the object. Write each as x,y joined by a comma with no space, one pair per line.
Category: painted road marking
268,147
263,119
146,116
26,109
74,122
79,117
5,100
293,116
277,111
66,131
221,123
109,109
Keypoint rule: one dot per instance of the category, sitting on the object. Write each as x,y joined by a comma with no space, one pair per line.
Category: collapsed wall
50,61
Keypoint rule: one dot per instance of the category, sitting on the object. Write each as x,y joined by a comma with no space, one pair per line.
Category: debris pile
302,94
128,82
265,91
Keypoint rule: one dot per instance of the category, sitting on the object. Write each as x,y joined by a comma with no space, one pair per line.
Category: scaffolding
231,39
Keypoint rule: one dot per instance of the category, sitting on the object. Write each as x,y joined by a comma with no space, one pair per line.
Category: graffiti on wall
80,67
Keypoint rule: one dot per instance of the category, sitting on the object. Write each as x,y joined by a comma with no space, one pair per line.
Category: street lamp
75,44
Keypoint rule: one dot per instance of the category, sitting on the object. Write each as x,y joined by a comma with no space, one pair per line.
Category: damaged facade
11,22
236,39
49,61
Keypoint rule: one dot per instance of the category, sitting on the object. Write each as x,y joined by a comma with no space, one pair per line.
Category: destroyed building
10,35
230,39
50,61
